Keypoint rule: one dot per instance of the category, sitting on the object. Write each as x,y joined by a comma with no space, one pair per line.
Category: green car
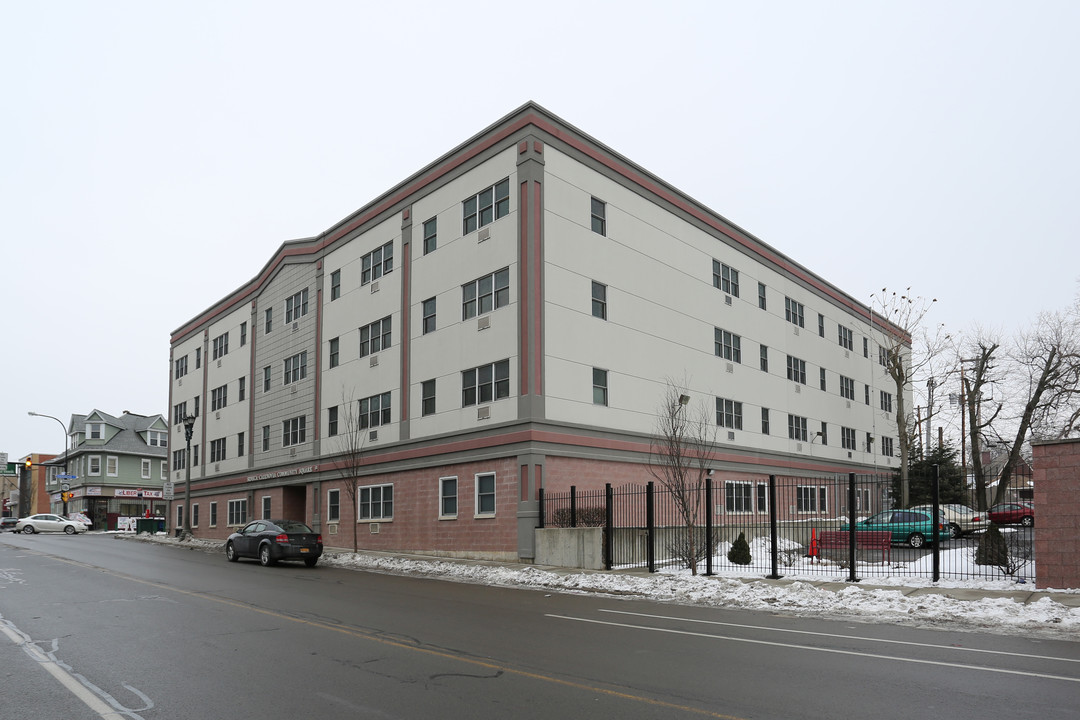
911,527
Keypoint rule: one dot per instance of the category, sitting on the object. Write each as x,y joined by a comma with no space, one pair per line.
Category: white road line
818,649
846,637
66,679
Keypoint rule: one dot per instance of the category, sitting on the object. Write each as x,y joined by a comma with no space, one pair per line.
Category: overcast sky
155,157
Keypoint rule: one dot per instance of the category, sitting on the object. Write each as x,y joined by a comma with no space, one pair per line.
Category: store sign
284,473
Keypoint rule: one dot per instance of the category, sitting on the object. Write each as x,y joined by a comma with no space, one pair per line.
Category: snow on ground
915,601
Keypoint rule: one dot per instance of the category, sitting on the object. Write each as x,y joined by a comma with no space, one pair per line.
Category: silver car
962,520
47,522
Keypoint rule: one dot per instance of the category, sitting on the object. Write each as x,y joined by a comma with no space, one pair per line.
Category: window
145,474
334,357
821,325
376,502
157,438
845,337
333,506
887,446
866,389
796,369
726,278
599,300
847,388
213,514
296,368
822,381
485,383
729,414
764,361
599,386
809,498
179,515
196,406
761,296
847,438
738,497
181,367
485,294
112,466
195,515
332,421
217,450
269,320
266,438
94,465
179,411
865,348
241,389
428,313
164,469
883,356
198,358
448,497
599,217
794,312
237,512
179,459
375,411
869,443
377,263
427,398
221,346
886,401
335,285
296,306
762,498
485,494
727,345
796,427
266,507
430,235
240,445
219,397
375,337
95,431
243,334
824,434
486,206
293,431
266,378
764,421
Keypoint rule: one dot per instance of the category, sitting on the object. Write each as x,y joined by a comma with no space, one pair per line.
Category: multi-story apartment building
506,319
117,466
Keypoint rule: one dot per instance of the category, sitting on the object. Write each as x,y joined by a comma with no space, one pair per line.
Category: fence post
773,529
573,506
540,497
708,526
851,527
650,526
935,486
609,525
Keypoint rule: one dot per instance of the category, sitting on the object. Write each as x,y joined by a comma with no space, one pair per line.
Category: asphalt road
94,627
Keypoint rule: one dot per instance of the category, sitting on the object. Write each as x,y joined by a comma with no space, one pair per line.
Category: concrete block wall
1057,513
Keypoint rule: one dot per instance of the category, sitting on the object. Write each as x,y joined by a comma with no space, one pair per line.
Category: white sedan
48,523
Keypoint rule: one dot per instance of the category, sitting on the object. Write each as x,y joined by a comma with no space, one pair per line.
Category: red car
1013,514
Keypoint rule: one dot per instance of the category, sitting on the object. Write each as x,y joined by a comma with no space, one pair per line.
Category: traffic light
28,463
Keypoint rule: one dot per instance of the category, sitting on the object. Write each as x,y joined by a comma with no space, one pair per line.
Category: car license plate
303,550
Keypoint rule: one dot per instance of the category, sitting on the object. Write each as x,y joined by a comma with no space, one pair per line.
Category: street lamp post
189,428
63,493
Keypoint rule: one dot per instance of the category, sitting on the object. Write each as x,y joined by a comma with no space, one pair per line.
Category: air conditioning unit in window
374,528
798,447
798,388
483,235
219,362
731,436
374,361
292,452
847,354
731,367
373,435
796,328
375,287
295,326
332,529
727,299
180,382
483,413
483,322
848,404
217,467
217,415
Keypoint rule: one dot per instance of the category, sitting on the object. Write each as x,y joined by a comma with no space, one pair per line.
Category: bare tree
679,460
982,356
904,317
352,434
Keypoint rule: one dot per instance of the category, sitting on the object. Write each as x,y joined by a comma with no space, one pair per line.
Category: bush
739,554
586,517
992,550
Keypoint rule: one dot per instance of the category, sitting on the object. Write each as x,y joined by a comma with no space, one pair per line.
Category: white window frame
739,497
237,513
477,512
266,505
112,466
91,462
164,469
333,505
145,471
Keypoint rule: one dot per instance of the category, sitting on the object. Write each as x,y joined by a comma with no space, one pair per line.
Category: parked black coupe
273,540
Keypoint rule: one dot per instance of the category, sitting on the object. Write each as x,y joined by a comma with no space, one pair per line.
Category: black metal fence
794,526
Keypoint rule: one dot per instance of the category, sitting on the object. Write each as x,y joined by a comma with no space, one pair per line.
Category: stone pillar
1057,513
